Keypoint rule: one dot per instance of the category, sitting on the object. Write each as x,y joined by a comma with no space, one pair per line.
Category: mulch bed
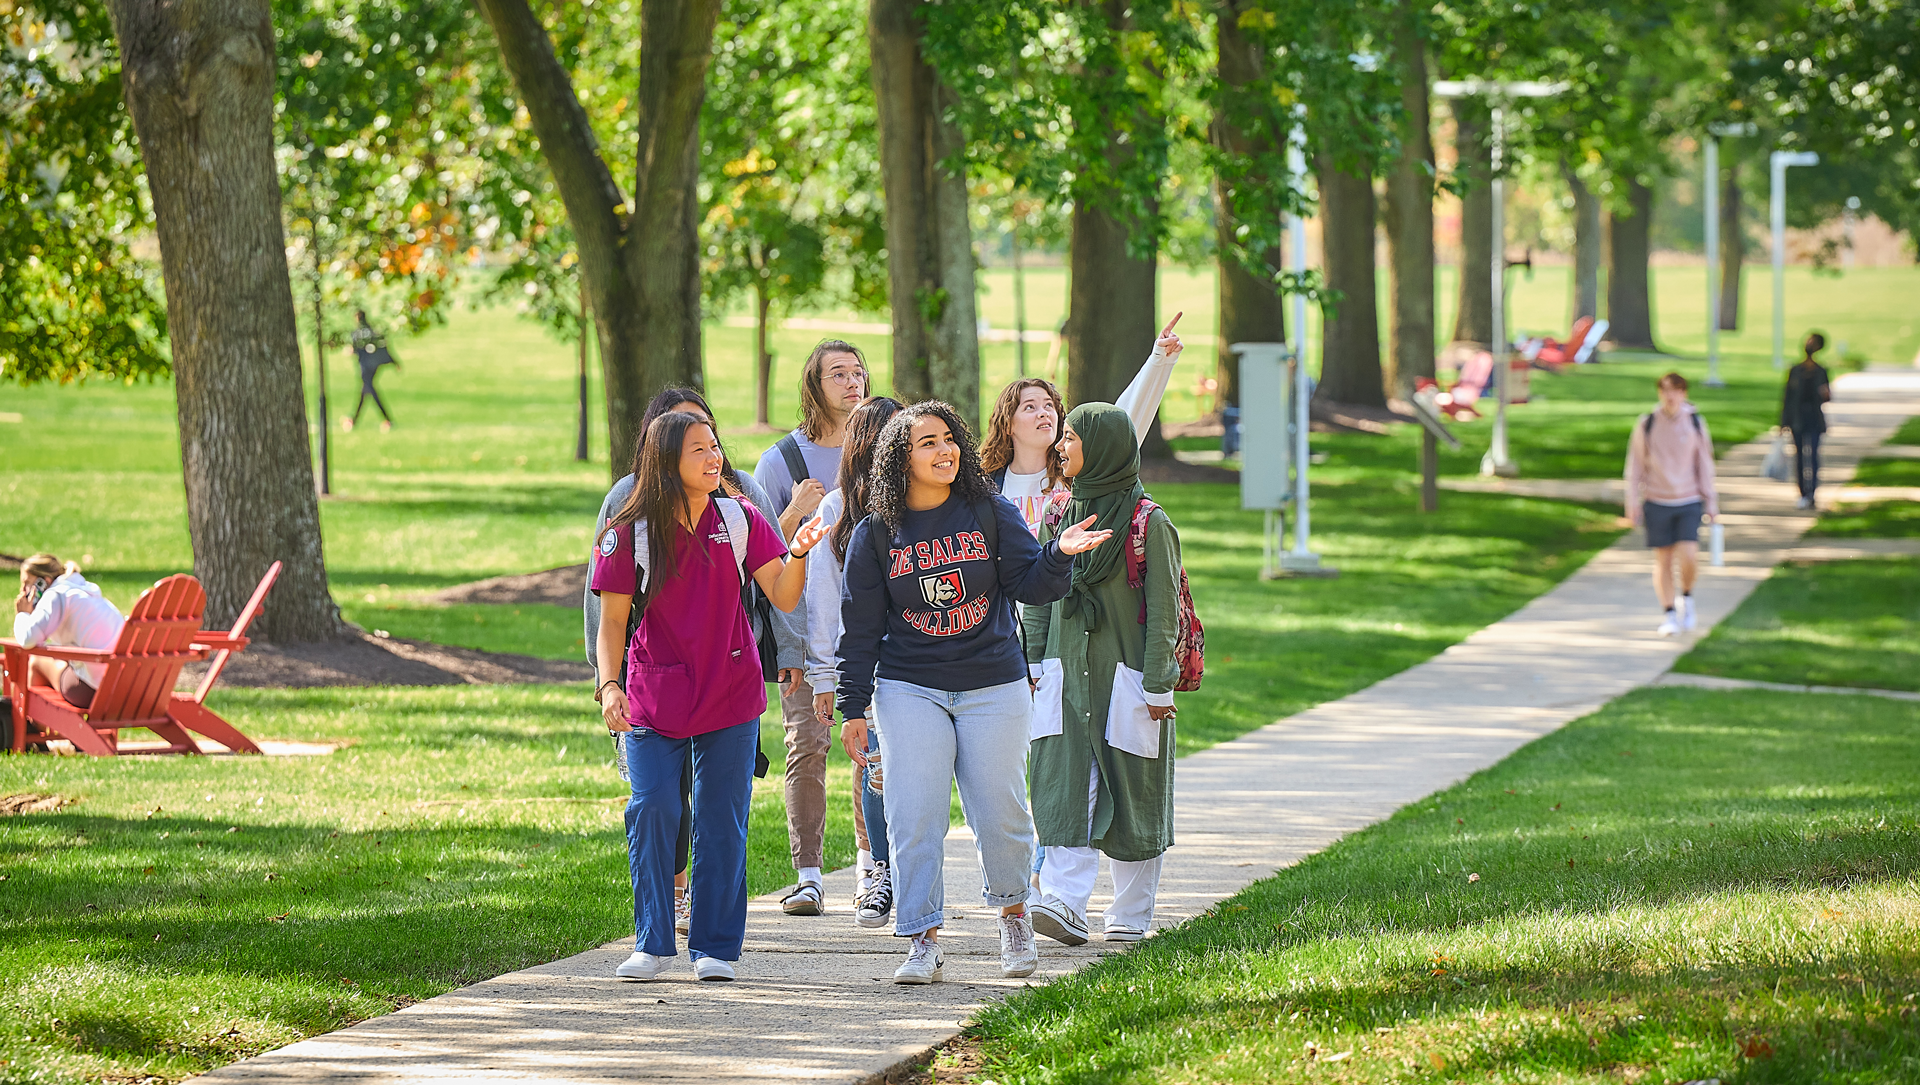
366,660
562,587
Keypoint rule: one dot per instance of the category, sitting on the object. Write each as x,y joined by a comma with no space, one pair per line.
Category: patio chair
161,635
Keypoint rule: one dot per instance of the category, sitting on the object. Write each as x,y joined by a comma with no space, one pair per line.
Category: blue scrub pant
722,794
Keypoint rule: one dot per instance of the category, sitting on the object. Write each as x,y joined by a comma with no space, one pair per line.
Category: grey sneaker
682,911
923,962
1018,955
1054,919
876,903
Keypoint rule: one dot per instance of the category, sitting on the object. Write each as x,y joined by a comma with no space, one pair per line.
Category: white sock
865,862
810,874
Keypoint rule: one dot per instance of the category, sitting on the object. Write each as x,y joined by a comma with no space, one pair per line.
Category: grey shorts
1670,524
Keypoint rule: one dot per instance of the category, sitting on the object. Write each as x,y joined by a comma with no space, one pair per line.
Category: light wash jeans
933,737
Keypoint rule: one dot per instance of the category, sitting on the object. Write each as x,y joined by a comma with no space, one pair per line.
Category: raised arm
1142,398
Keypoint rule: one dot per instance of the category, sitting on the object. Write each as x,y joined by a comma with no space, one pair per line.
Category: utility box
1266,425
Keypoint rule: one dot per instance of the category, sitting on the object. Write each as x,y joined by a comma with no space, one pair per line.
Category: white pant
1069,873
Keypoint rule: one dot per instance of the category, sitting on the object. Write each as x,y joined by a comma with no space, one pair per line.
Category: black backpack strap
999,477
796,463
989,526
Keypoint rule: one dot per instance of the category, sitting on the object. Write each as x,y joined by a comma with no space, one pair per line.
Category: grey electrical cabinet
1266,425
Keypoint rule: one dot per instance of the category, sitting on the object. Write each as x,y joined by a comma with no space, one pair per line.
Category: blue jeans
930,738
722,793
873,804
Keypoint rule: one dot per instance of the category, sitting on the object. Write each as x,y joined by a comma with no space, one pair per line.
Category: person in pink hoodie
1669,491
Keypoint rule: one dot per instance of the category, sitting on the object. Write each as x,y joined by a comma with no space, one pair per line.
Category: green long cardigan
1133,813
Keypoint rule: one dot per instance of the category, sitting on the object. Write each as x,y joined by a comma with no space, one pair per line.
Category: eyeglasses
848,379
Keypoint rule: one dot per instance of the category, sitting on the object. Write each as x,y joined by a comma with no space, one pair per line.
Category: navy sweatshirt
939,616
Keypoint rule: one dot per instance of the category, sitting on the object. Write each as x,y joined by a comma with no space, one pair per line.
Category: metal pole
1497,461
320,362
1712,201
1019,307
1296,225
586,312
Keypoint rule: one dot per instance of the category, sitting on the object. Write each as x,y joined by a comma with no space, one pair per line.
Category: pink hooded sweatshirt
1671,461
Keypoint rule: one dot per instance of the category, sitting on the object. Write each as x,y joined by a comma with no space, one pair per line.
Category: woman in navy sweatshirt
931,643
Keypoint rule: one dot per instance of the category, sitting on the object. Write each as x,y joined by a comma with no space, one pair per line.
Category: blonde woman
59,607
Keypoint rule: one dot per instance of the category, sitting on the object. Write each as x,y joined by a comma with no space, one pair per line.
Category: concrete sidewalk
815,1000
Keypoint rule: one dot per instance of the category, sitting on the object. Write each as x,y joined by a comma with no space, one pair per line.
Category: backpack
1190,640
733,520
789,448
1646,423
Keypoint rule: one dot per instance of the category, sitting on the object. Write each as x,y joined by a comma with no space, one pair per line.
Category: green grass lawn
1837,623
1875,520
1887,472
1908,434
1685,885
185,912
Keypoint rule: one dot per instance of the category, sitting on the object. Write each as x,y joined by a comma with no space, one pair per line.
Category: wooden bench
138,673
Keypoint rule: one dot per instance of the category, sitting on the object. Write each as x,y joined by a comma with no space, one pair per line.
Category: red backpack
1190,642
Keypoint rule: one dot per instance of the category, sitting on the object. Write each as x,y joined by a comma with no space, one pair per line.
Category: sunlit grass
1838,623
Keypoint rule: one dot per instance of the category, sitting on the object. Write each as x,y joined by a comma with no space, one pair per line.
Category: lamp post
1779,161
1716,132
1299,561
1498,460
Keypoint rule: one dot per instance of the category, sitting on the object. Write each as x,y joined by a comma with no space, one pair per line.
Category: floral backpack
1190,640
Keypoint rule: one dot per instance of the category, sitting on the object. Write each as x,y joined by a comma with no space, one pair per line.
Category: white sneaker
1120,932
876,902
682,911
1669,625
712,968
1018,955
642,966
923,962
1804,503
1689,614
1053,918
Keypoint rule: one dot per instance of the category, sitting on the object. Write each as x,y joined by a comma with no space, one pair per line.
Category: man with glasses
796,473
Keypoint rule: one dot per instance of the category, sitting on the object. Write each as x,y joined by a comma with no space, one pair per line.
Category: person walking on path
795,473
785,629
57,606
930,647
1020,453
680,556
370,350
846,506
1670,487
1104,670
1803,413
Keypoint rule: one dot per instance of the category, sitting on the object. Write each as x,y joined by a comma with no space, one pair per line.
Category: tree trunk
199,78
1410,333
936,340
1350,343
1586,245
762,357
639,260
1473,316
1110,307
1733,248
1629,301
1251,308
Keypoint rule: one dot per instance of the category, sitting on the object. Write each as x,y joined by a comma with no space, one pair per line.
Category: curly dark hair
892,455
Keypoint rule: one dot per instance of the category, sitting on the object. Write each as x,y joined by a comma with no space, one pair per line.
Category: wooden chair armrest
214,642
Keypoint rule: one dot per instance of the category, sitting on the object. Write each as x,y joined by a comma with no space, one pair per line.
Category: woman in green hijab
1103,664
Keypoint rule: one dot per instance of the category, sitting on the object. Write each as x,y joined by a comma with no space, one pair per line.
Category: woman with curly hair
931,646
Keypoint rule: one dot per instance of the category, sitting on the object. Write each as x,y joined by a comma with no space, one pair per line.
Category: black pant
1806,460
367,389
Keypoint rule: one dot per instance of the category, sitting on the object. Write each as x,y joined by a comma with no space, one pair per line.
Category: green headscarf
1107,489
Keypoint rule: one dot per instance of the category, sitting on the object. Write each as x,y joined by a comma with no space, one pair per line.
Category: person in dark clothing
1803,411
370,350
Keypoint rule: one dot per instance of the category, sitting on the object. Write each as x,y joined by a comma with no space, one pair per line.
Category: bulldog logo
943,589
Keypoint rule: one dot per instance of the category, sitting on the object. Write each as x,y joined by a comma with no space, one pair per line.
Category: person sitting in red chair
57,606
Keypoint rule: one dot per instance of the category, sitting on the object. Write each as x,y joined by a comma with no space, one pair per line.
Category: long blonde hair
997,451
45,566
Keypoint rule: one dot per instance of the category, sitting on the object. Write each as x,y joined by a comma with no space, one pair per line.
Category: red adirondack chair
162,635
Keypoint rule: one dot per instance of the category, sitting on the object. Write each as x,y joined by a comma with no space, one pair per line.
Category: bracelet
602,689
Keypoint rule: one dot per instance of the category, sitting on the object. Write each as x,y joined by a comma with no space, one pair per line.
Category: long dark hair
864,427
997,451
664,403
658,496
892,456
